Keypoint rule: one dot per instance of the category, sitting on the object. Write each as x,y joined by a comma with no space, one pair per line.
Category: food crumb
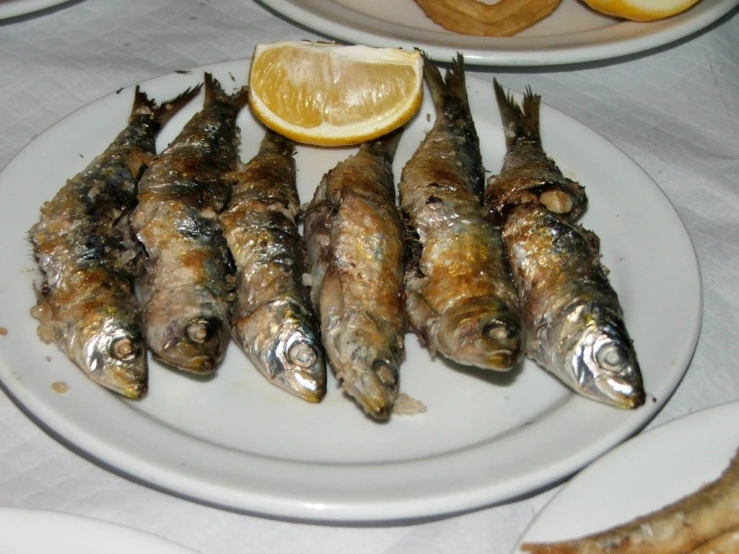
60,386
405,405
3,331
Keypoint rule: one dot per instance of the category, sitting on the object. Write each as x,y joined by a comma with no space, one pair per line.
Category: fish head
600,361
187,328
282,340
193,344
365,354
483,332
113,354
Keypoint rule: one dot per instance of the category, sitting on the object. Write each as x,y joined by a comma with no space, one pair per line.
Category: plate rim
18,8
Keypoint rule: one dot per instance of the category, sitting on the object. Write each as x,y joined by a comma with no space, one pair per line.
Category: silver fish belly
460,299
187,287
272,319
84,248
572,315
356,247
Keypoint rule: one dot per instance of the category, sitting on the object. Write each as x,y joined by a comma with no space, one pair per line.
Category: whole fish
188,283
272,318
460,298
572,315
84,248
355,239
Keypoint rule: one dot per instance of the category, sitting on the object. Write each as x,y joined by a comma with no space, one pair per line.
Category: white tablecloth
675,112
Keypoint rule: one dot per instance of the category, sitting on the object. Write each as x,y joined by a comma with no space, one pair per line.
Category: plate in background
641,475
572,34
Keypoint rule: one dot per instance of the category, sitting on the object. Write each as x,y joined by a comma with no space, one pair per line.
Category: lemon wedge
641,10
332,95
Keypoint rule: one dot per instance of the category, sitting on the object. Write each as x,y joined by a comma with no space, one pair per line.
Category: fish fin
452,85
167,109
456,83
142,103
518,122
434,80
214,92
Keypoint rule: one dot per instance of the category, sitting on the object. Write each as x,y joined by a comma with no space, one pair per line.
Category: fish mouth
128,382
481,337
620,392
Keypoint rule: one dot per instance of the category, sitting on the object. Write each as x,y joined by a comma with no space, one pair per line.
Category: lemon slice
332,95
641,10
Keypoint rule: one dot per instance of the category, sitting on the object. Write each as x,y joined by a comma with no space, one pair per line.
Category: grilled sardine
273,319
188,284
355,243
460,298
83,245
572,315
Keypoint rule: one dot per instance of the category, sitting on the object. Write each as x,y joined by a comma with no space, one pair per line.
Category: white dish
572,34
237,441
15,8
41,532
641,475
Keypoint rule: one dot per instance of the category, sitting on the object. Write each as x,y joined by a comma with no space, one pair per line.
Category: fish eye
199,331
384,372
301,354
611,356
123,349
497,330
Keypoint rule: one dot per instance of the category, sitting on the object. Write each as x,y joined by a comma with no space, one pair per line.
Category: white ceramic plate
14,8
641,475
239,442
42,532
572,34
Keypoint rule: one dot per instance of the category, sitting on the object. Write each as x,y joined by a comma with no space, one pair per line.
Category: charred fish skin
572,315
87,257
460,298
187,286
272,318
356,249
528,173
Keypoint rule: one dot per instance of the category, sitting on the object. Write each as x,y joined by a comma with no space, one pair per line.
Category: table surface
674,111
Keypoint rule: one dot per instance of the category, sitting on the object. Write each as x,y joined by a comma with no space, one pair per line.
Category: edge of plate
511,51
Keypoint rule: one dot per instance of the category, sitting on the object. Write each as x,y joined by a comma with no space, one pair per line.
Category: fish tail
518,122
275,143
456,84
167,109
385,145
214,93
453,85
